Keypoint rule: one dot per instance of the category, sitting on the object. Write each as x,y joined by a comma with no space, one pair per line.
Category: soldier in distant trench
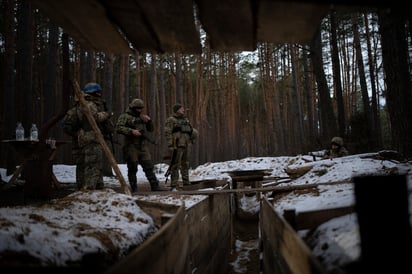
337,149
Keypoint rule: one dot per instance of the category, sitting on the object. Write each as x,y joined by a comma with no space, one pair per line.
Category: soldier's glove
103,116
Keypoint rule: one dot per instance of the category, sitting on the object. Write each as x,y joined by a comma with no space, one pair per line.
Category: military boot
133,186
154,185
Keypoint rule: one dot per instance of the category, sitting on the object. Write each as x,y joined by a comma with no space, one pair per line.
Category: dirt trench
245,255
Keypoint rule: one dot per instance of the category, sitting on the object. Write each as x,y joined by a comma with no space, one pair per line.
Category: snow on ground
59,235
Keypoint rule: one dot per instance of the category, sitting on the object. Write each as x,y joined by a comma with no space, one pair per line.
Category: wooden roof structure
166,26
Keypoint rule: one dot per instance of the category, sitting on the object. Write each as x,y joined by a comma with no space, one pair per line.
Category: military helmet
176,107
337,140
136,103
91,88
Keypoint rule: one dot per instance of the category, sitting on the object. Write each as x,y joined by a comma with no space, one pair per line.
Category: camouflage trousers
89,166
79,162
181,164
136,154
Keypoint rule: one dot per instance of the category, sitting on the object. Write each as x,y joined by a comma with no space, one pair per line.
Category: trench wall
191,240
198,239
283,250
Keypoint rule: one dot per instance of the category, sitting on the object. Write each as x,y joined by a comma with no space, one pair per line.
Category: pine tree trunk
399,93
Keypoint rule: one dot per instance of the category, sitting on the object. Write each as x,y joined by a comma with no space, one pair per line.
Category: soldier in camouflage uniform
338,149
87,152
71,126
180,135
133,124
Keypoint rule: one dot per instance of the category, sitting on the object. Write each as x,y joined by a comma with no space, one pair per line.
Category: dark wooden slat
174,25
149,258
230,24
288,22
283,250
131,20
156,25
275,189
313,218
86,22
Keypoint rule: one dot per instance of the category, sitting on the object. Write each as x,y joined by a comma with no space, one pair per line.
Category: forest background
352,80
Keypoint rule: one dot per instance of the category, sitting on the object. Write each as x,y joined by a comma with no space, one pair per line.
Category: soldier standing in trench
180,135
133,124
87,152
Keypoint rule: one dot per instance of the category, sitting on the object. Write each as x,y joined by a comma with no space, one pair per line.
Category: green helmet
136,103
91,88
337,140
176,107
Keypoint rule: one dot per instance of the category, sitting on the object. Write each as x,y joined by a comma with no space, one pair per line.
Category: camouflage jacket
179,131
336,153
130,120
76,125
71,123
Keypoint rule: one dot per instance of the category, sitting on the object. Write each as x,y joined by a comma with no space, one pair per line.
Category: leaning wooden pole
87,113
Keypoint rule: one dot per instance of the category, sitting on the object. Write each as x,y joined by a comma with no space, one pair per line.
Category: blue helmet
91,88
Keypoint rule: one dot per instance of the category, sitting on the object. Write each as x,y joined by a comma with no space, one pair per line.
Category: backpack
71,122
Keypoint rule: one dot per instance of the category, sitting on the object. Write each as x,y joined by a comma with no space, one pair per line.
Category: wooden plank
248,172
288,22
314,218
174,25
86,111
157,25
130,18
206,184
149,256
283,250
169,26
275,189
247,178
56,182
87,22
230,25
16,174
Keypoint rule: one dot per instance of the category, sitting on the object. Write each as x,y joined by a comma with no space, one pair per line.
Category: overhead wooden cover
162,26
87,22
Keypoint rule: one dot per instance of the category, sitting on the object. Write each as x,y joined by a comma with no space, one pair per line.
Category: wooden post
93,124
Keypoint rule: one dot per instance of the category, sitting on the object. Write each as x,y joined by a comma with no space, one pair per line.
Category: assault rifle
112,142
172,163
110,134
143,135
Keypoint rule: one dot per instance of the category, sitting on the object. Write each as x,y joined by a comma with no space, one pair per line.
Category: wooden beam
230,25
314,218
274,189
